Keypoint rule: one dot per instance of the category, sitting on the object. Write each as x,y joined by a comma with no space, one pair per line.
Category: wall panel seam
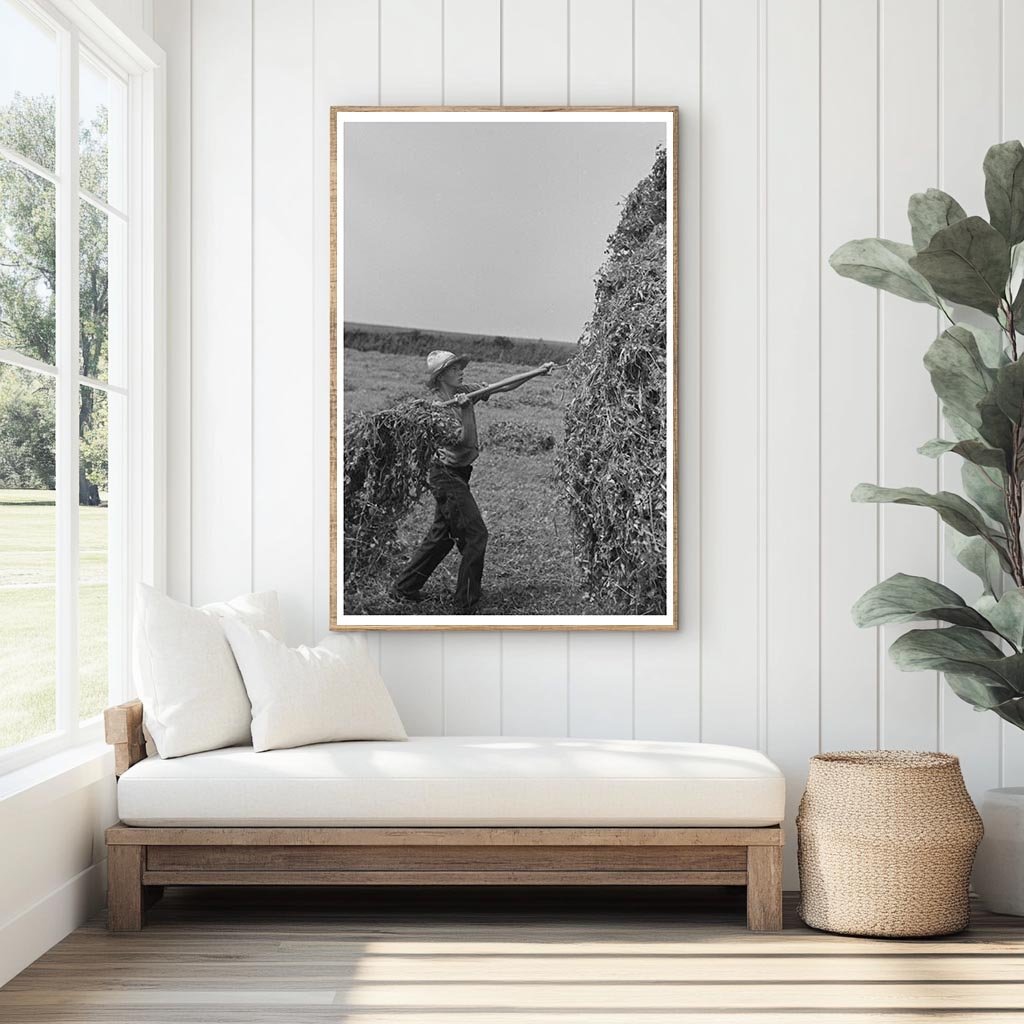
314,629
632,699
940,535
252,293
568,686
699,341
821,255
632,43
188,347
191,291
879,373
568,53
761,398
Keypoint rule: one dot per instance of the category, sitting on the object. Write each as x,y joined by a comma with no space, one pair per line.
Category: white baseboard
26,937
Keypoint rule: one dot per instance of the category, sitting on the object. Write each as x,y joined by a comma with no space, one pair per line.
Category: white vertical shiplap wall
849,367
908,162
283,307
968,122
1011,117
222,343
802,123
730,493
790,372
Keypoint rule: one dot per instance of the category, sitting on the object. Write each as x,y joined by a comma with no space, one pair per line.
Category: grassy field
529,568
28,525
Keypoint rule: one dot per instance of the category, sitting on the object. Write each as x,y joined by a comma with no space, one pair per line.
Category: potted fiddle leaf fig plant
956,260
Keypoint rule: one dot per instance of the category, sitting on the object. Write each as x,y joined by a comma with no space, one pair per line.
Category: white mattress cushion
459,780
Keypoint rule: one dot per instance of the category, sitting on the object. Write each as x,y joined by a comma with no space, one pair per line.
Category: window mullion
67,386
30,165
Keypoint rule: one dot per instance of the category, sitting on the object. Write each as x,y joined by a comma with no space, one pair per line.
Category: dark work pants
457,521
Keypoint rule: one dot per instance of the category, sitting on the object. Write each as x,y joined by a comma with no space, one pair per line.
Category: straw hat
438,361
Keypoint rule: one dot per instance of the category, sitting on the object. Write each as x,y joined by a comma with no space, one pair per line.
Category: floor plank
498,956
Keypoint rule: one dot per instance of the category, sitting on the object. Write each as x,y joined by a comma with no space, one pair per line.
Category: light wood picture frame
463,242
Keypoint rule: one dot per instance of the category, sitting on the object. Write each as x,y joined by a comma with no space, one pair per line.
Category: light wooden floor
274,955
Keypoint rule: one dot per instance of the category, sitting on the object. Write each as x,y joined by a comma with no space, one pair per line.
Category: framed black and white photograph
503,368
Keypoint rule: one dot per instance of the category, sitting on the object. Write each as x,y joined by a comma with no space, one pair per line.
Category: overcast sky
489,228
28,63
28,60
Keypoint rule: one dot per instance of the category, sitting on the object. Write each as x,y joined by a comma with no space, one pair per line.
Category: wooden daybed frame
142,860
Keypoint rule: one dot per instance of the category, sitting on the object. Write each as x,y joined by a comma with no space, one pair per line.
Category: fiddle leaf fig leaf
923,650
929,212
1004,189
1006,614
990,345
979,557
963,652
1011,710
973,451
962,430
883,264
1009,390
980,692
958,371
903,598
984,486
1017,309
1013,285
996,428
952,509
967,263
936,447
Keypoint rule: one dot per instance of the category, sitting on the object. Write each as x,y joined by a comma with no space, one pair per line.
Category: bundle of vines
387,455
613,461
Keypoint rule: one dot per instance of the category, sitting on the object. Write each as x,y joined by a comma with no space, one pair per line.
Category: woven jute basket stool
885,843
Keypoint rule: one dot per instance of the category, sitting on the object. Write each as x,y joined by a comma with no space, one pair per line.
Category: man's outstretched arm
548,367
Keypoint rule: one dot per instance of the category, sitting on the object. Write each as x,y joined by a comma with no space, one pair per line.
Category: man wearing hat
457,519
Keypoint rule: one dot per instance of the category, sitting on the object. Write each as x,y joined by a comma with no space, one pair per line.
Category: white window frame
141,64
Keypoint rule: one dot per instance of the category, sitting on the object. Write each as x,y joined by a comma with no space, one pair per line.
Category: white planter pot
999,867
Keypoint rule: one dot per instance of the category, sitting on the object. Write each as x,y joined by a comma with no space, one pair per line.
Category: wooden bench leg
764,888
125,896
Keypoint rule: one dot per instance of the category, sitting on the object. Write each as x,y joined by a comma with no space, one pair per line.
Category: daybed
444,811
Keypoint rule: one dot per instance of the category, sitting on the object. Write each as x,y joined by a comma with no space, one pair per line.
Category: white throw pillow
192,693
309,694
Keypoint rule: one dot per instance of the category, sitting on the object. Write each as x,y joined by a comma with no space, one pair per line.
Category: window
76,244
